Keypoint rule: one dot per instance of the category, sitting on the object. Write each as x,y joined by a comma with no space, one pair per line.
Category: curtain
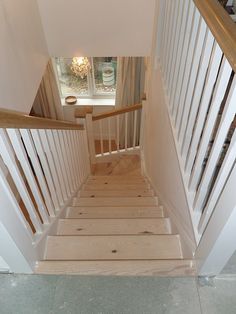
129,91
47,103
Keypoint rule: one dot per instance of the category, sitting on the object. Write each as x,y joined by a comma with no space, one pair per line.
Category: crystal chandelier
80,66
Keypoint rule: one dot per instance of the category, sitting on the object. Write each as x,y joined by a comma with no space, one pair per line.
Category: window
100,82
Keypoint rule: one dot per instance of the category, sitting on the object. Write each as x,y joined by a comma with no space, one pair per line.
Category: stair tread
136,247
114,212
116,193
166,268
119,201
113,226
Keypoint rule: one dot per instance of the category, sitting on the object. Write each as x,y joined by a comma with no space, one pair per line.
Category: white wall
98,28
161,163
23,53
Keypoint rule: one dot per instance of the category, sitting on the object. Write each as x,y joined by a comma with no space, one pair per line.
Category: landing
120,165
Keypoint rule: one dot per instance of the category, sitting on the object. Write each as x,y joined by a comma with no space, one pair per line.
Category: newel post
85,116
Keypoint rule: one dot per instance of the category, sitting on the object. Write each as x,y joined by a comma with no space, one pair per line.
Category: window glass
104,70
100,81
69,83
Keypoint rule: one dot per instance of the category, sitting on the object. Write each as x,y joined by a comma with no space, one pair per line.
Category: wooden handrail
116,112
15,120
222,27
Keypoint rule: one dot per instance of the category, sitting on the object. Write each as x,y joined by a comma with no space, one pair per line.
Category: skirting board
188,245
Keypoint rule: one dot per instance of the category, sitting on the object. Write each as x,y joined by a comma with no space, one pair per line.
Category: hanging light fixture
80,66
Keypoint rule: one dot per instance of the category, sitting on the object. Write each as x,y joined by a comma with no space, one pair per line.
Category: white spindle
225,169
118,133
31,151
75,162
45,166
187,37
21,155
58,164
213,69
175,40
126,131
188,123
177,59
175,14
135,129
51,163
166,25
109,133
62,160
69,158
101,136
169,39
188,66
220,90
15,205
226,120
184,108
78,162
8,157
66,160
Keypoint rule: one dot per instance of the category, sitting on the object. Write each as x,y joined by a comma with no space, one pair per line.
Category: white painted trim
188,245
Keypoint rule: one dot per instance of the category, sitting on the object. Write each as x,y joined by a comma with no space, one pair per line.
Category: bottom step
161,268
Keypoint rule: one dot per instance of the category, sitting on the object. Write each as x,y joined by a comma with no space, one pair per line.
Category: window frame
92,91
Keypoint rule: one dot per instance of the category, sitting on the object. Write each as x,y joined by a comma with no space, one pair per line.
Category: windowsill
91,102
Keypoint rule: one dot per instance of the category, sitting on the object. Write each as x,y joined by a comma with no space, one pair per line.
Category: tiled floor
31,294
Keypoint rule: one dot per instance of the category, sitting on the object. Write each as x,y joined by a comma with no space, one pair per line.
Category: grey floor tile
121,295
27,294
220,298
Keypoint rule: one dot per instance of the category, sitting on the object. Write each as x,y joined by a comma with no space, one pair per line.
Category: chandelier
80,66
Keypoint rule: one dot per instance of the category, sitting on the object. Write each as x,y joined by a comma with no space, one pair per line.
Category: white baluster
197,125
220,89
135,128
51,163
225,123
126,131
222,177
109,133
21,155
45,166
59,165
29,144
188,123
191,81
8,157
118,133
101,136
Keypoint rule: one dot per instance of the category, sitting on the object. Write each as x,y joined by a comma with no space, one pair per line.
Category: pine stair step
159,268
113,226
115,186
115,212
118,201
118,193
137,247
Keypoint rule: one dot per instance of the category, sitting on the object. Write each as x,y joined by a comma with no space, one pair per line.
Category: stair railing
113,132
197,58
43,163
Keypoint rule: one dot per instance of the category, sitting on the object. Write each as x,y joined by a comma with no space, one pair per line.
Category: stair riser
121,201
161,268
114,212
134,193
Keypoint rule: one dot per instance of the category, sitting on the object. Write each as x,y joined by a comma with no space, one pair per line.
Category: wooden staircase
115,227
